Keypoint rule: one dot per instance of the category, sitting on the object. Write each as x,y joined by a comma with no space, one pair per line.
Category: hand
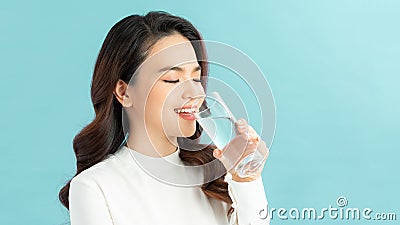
245,143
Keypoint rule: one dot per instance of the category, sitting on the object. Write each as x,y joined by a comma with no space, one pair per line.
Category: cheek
157,100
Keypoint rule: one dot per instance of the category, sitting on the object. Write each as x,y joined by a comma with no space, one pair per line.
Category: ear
120,92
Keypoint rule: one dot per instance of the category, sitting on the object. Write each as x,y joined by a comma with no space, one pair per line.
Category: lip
187,116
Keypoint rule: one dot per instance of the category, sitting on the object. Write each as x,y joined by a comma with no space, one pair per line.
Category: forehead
170,51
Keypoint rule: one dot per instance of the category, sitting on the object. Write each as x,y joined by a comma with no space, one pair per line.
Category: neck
151,145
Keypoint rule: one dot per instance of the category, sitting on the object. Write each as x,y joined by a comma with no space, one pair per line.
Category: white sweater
118,191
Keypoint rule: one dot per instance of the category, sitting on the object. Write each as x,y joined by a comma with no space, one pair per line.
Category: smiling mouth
186,109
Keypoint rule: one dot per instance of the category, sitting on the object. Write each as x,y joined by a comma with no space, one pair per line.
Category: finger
252,145
253,135
241,126
244,128
250,142
263,149
252,138
262,152
241,121
251,130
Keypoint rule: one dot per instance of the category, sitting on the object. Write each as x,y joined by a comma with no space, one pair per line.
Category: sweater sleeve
87,205
249,201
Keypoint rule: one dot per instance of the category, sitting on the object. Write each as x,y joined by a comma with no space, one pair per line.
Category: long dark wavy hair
125,48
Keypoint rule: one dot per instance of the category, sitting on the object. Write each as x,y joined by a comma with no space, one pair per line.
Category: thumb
217,153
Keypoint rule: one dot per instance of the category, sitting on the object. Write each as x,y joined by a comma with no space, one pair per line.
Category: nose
192,90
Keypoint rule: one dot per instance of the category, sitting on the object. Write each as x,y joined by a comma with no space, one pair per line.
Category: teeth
185,110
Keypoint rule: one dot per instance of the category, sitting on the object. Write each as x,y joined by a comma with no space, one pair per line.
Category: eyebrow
179,69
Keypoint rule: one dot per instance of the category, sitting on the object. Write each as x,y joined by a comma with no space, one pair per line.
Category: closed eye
176,81
171,81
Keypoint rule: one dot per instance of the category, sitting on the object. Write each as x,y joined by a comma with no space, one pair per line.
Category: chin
188,131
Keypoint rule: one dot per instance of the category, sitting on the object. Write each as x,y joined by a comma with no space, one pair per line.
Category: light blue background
333,67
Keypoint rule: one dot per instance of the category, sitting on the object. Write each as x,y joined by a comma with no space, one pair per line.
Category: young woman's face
168,80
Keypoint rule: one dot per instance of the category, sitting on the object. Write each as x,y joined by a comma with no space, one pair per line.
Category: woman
110,187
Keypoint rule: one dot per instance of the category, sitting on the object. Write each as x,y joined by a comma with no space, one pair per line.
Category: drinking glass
219,124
